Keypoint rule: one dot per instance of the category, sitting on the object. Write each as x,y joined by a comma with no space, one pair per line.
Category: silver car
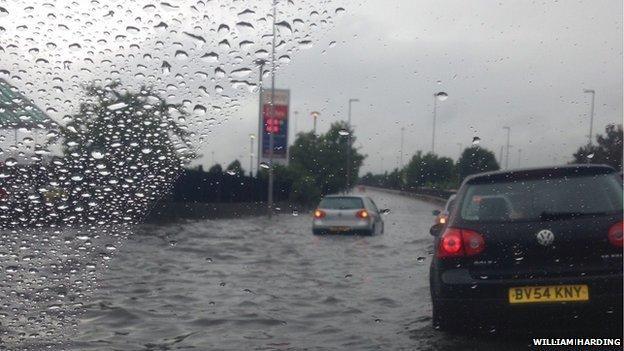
347,213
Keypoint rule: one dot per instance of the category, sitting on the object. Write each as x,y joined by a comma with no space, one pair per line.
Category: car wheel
317,231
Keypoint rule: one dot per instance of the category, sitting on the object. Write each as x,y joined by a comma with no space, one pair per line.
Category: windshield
543,199
263,174
341,203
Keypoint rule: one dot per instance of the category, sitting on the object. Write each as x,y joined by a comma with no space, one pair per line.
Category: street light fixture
349,143
441,96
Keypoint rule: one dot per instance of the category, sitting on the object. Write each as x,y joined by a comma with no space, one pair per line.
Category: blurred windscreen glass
341,203
543,198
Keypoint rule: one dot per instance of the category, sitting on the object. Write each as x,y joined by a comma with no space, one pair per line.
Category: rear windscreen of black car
543,199
341,203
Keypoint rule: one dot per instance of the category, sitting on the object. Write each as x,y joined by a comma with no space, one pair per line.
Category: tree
476,160
121,149
234,168
215,169
428,170
320,161
607,150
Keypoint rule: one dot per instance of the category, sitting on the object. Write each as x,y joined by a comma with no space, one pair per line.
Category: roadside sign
276,124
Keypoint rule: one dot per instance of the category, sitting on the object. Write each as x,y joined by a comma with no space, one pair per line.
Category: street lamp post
401,159
507,157
260,63
591,114
349,144
437,96
315,115
251,140
295,124
271,137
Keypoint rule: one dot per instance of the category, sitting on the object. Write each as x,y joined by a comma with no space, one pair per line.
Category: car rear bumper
602,313
351,225
457,293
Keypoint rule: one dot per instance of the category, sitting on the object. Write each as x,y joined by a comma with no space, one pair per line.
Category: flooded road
257,284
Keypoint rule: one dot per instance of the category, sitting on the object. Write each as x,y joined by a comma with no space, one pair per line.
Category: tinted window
341,203
543,198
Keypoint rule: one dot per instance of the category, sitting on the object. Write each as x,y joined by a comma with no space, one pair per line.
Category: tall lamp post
314,115
437,96
349,139
260,63
295,129
251,141
507,156
591,113
401,159
271,137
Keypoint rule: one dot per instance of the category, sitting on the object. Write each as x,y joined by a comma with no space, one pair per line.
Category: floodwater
254,283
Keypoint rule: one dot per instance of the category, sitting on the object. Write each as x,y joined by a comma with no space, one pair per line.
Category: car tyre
317,231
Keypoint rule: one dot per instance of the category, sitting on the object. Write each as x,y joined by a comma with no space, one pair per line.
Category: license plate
550,293
339,229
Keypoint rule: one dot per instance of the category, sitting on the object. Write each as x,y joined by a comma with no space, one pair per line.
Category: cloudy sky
503,63
511,63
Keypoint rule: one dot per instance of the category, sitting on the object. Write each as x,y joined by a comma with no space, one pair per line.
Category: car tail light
615,234
473,242
363,214
457,242
319,214
450,243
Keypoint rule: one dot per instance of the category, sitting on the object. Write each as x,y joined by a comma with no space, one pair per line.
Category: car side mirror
436,229
436,212
384,211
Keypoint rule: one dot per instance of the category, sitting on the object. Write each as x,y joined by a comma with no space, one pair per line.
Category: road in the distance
251,283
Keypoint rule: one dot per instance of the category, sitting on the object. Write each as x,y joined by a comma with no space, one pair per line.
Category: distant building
23,125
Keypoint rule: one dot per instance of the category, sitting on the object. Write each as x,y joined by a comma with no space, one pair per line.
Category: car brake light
457,242
450,243
319,214
363,214
615,234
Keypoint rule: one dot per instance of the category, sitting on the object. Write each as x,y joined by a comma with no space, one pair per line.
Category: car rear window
542,199
341,203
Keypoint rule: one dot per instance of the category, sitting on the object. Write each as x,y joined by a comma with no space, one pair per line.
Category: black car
534,242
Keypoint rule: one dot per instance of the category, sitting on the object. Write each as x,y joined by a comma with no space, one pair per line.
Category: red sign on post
274,123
